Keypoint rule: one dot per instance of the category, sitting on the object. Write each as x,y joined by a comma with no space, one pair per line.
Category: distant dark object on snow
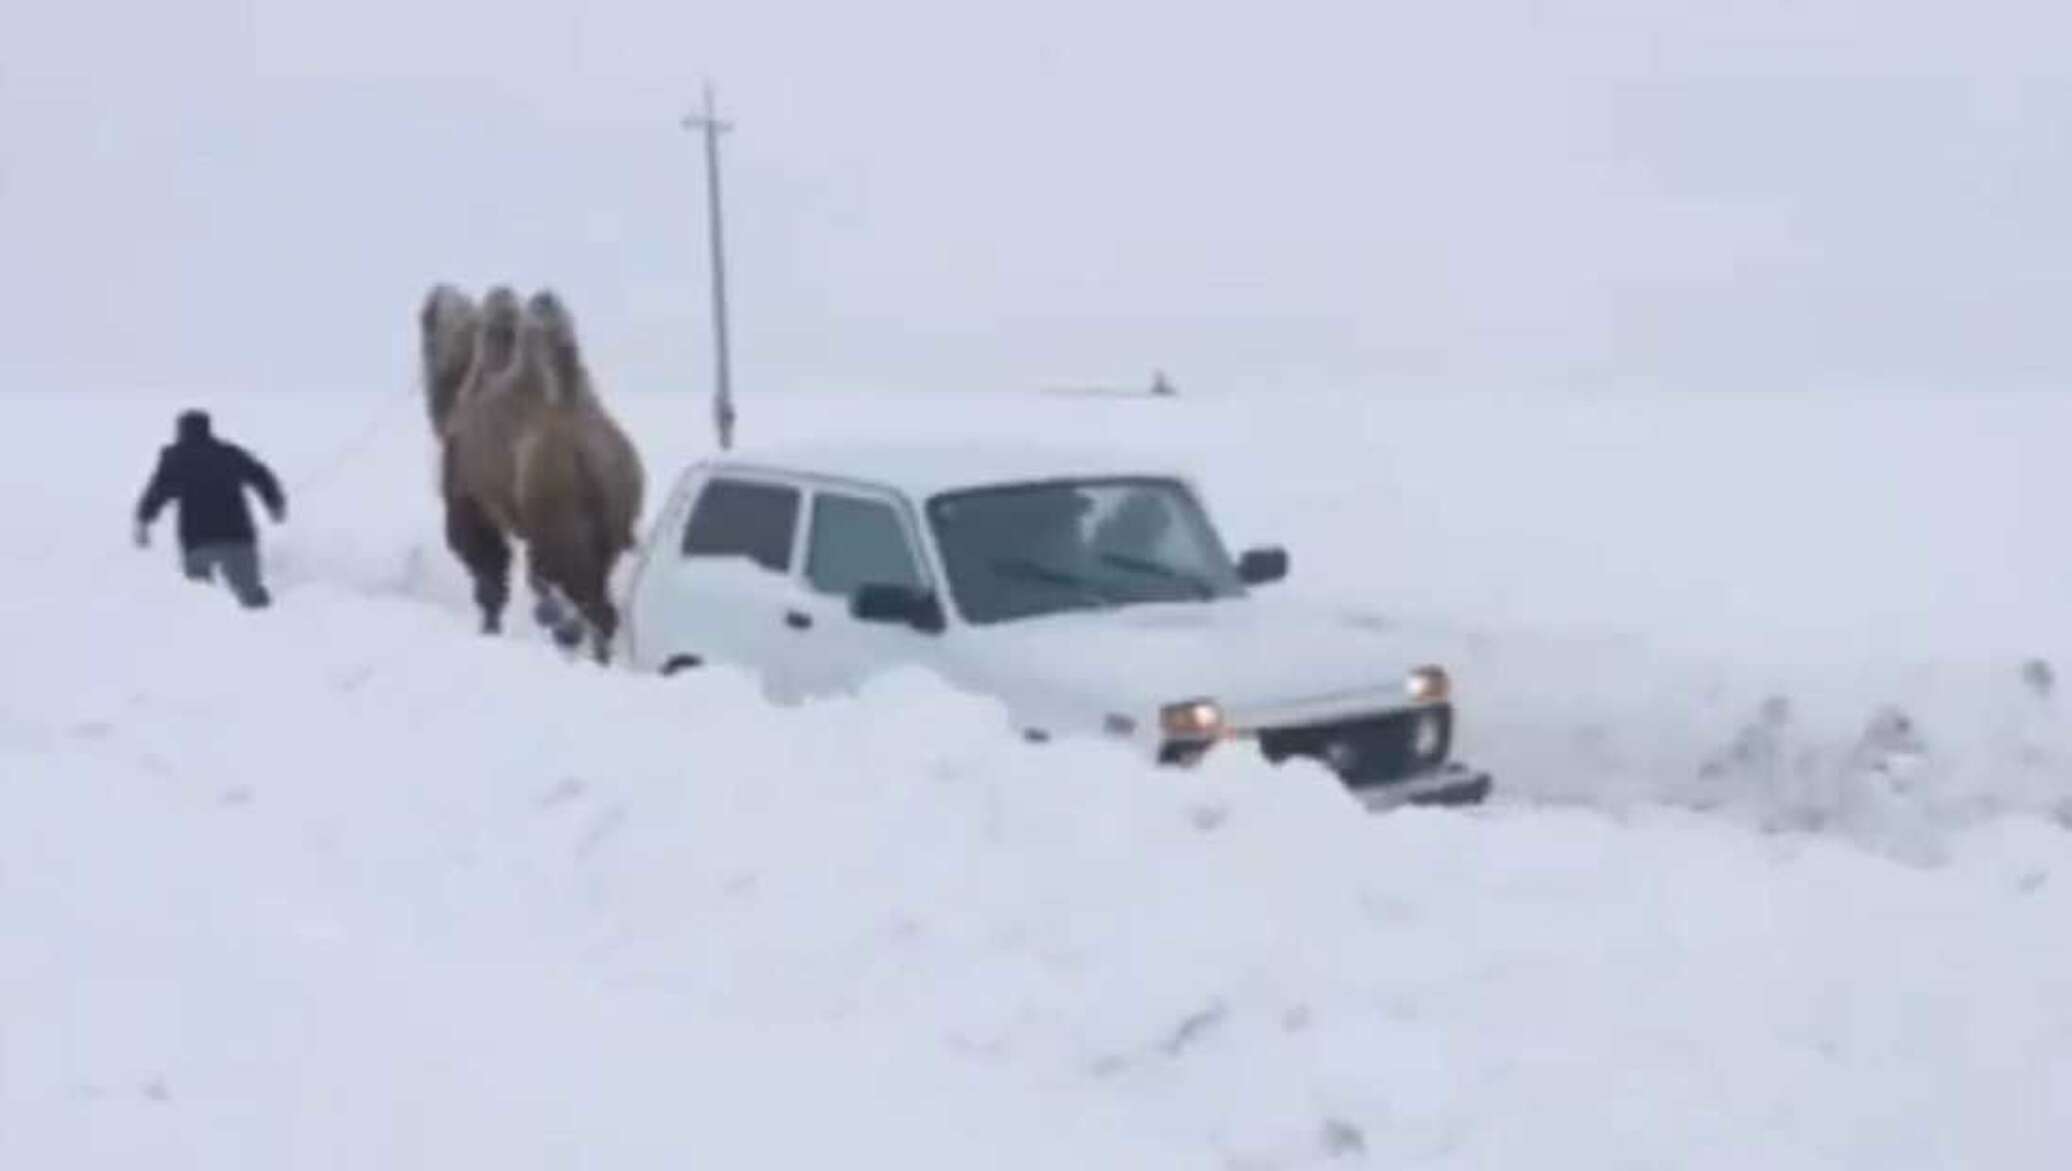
1161,387
2039,677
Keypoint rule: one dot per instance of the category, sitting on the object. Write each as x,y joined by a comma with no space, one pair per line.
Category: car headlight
1197,719
1429,684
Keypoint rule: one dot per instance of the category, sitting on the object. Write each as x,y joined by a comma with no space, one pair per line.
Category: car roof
924,470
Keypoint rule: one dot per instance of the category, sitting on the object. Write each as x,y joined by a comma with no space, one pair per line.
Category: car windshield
1034,549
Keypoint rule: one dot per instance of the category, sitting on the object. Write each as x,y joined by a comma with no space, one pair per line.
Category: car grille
1370,750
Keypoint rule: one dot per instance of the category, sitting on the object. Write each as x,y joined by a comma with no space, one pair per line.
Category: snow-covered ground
344,885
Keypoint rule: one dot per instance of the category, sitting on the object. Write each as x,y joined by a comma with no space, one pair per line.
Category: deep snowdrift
341,885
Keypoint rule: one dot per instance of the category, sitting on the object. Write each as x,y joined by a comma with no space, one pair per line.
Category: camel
579,480
529,453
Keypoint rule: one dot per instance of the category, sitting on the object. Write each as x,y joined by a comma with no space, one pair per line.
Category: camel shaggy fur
529,453
449,324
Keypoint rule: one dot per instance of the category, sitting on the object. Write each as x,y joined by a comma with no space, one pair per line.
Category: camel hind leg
594,596
555,567
549,609
599,614
546,572
481,546
580,571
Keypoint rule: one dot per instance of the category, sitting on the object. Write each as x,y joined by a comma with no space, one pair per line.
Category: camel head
447,325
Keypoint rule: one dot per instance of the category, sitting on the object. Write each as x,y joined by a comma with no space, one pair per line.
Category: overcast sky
937,194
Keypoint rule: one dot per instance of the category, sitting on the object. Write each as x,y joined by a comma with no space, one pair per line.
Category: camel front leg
481,546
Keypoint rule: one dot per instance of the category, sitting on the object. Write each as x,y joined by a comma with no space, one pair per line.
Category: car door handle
798,620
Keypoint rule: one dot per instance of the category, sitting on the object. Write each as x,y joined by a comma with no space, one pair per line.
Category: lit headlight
1429,685
1198,719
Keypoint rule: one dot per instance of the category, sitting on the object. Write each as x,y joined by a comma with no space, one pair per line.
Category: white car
1091,597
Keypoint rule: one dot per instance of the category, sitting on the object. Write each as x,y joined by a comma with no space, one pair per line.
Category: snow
342,884
924,470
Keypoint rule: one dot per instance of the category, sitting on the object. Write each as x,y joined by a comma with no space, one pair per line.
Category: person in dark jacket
208,478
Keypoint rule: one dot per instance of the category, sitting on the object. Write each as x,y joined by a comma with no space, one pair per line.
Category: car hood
1247,654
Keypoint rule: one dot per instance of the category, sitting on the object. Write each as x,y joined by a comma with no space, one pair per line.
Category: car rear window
743,518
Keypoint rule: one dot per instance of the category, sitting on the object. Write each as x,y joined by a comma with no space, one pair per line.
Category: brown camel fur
449,325
530,453
578,483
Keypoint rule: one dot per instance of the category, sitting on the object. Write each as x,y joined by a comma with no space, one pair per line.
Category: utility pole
708,123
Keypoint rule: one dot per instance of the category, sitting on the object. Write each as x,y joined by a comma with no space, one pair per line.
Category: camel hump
554,330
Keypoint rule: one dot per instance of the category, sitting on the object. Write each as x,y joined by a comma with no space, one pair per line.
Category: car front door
855,537
719,594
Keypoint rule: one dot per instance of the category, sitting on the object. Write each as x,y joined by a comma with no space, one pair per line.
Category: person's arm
262,479
156,494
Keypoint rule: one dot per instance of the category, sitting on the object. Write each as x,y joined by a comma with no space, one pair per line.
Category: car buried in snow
1090,596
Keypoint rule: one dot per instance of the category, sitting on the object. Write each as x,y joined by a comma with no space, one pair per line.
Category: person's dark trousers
240,566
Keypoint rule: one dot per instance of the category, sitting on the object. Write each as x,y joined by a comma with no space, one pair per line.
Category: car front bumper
1448,784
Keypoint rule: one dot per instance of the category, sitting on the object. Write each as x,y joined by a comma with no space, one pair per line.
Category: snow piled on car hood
1248,654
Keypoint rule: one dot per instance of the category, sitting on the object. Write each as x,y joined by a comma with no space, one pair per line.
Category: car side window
858,542
742,518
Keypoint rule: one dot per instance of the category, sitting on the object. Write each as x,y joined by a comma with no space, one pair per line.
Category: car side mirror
1261,566
897,605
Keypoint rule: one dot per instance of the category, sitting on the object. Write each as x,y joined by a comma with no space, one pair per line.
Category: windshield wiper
1027,570
1154,569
